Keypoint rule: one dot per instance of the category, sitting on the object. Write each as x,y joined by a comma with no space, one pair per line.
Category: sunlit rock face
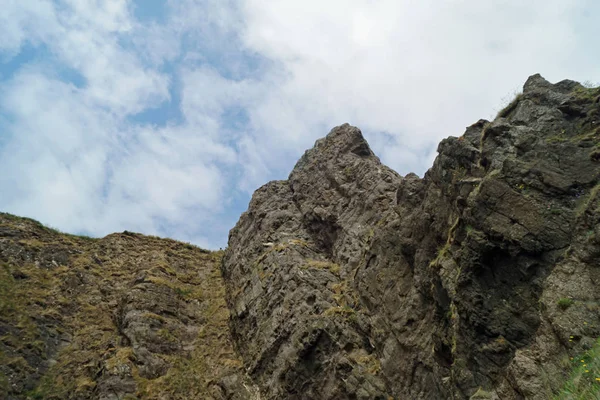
478,280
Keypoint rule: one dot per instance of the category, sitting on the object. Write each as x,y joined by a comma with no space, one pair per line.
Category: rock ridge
127,316
344,281
348,280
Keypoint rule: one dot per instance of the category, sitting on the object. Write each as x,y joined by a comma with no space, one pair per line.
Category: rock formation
346,281
123,317
477,281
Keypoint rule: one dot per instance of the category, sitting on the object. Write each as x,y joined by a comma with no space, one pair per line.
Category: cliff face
346,281
478,280
124,317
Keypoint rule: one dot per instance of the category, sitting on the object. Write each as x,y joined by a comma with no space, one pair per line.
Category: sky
163,116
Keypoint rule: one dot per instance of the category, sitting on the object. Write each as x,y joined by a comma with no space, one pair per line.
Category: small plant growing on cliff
317,264
442,252
555,211
346,311
369,362
511,106
565,303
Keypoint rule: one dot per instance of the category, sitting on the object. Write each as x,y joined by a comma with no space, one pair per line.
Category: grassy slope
59,299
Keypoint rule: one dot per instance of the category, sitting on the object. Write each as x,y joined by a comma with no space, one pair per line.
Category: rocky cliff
346,281
123,317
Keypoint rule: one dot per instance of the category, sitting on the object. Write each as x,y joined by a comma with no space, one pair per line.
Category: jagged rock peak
341,140
538,83
350,281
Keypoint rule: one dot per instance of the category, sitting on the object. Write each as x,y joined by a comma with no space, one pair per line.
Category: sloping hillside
126,316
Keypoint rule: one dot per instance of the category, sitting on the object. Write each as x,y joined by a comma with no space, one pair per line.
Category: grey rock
446,286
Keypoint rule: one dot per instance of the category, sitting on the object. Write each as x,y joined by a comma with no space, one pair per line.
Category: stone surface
350,281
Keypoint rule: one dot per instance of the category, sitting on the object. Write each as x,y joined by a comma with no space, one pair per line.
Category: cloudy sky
163,116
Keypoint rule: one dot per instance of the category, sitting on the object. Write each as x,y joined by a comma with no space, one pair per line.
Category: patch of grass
7,291
557,139
510,107
78,303
279,247
182,289
183,292
565,303
347,302
585,93
190,246
339,310
442,252
481,394
583,382
483,135
452,230
4,384
368,362
590,235
349,172
71,235
326,265
14,218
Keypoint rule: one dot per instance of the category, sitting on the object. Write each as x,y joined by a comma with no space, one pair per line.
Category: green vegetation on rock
584,377
127,315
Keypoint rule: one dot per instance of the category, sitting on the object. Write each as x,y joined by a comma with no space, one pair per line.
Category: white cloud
21,22
417,70
98,15
77,167
73,159
54,160
207,93
408,73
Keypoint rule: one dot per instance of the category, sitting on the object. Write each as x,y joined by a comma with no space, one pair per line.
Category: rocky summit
345,281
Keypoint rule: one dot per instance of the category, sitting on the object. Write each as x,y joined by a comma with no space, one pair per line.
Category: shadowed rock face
350,281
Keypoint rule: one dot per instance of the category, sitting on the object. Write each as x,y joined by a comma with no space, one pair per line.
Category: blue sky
163,116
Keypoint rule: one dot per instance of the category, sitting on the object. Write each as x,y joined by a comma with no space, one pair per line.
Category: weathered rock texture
348,281
124,317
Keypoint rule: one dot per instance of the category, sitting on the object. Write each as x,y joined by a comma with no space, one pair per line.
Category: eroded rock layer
478,280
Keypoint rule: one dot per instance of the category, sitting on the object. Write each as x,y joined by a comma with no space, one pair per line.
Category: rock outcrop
123,317
346,281
477,281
